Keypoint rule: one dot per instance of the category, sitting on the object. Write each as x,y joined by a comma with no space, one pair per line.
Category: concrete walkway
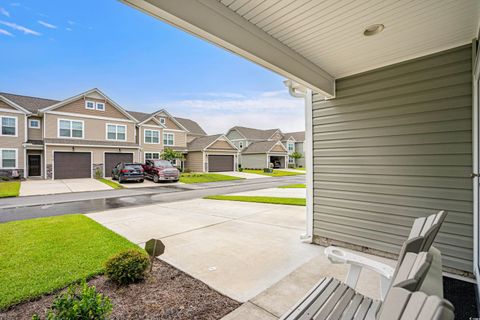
238,248
46,187
244,175
250,252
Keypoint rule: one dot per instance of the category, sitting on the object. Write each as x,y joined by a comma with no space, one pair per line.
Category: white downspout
299,91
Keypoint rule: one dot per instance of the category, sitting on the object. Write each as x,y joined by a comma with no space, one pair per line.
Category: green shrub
82,302
98,173
3,178
127,267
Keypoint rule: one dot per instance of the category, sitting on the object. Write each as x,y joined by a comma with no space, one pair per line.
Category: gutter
298,91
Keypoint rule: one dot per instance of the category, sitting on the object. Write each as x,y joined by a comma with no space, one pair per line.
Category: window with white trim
100,106
116,132
89,104
168,139
9,126
8,158
34,123
151,136
290,147
162,120
70,129
152,155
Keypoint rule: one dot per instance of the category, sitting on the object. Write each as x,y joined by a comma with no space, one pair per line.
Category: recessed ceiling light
373,29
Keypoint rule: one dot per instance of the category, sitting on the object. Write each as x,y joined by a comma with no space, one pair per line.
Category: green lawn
9,189
276,173
42,255
294,186
205,177
111,183
272,200
303,169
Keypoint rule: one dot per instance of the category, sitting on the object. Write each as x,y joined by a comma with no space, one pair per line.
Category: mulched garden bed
167,293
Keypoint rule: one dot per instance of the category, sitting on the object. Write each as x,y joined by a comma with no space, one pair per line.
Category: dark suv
161,170
128,172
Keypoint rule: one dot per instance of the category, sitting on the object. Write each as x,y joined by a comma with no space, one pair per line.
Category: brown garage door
220,163
112,159
69,165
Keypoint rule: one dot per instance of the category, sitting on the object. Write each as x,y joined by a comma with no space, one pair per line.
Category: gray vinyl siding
254,161
396,144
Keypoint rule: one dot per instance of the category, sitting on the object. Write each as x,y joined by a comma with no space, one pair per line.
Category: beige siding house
83,136
214,153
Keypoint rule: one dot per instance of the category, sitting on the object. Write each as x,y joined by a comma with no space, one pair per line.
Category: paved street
84,202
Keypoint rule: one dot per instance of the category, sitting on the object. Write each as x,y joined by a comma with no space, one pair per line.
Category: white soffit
329,33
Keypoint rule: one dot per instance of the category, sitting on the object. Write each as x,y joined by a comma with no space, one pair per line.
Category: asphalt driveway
44,187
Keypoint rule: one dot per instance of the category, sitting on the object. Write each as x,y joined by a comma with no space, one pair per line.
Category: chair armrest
357,263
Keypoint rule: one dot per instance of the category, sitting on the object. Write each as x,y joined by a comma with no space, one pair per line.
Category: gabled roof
261,147
201,143
140,116
298,136
32,104
255,134
71,99
192,126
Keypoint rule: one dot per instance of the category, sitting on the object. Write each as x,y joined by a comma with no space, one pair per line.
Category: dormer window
162,120
100,106
89,105
34,123
240,144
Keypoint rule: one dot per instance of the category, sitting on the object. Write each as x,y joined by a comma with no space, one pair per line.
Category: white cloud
5,33
4,12
276,104
263,110
20,28
47,25
70,22
220,123
15,4
68,29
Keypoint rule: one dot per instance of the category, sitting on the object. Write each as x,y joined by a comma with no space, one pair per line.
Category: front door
34,165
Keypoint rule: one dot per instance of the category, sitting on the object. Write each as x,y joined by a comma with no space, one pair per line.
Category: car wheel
120,180
141,181
175,180
156,179
113,177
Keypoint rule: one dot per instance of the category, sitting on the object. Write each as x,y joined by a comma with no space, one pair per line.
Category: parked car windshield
162,163
133,166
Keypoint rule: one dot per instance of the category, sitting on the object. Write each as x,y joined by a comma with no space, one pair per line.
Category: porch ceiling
315,41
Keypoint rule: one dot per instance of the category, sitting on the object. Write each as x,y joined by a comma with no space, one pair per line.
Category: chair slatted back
401,304
422,234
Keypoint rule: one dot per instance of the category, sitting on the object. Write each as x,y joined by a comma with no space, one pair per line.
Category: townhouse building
259,148
82,136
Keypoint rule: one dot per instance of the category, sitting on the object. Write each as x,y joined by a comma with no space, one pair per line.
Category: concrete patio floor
250,252
44,187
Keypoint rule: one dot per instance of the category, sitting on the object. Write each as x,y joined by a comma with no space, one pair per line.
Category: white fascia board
214,22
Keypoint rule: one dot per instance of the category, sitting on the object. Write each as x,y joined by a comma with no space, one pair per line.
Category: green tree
296,155
170,154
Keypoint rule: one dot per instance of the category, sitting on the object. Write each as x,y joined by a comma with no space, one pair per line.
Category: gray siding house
391,94
256,145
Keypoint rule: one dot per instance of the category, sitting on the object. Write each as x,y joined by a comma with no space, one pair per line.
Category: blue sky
57,49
